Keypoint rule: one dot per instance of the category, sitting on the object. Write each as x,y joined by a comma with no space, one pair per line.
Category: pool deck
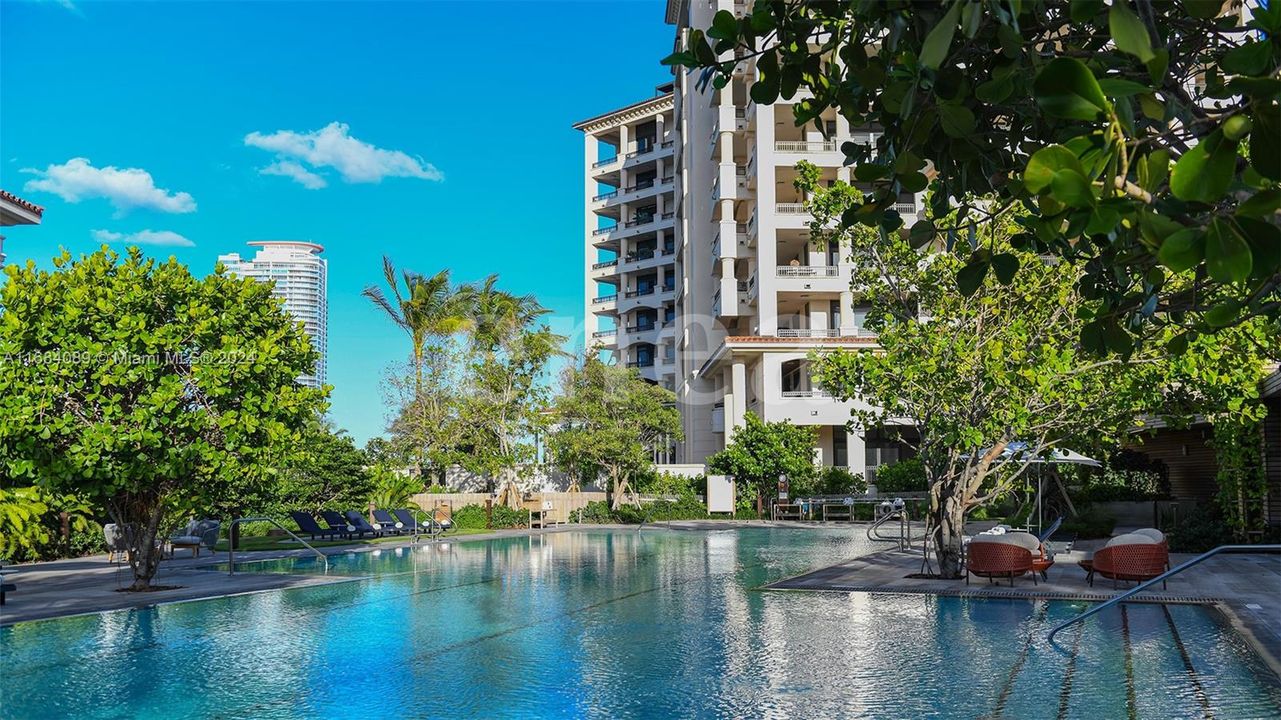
1246,588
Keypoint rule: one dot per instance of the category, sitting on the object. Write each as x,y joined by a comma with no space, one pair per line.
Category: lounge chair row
352,524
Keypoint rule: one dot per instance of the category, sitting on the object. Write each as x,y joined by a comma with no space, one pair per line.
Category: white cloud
77,179
333,147
291,169
165,238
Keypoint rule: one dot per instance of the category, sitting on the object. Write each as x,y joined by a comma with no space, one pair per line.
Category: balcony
606,161
808,333
607,263
605,196
643,147
804,146
604,333
806,394
642,363
642,328
791,271
641,292
604,299
604,231
790,208
905,208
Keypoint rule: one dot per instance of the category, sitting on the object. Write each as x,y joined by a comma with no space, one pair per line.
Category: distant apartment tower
16,211
630,240
299,274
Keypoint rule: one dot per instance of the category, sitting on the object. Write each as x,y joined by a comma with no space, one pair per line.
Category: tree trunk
140,518
622,489
948,510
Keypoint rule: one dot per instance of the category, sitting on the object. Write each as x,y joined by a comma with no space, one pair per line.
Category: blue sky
481,94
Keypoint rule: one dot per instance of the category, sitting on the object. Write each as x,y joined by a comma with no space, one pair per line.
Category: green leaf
1066,88
936,44
1182,250
1204,173
970,277
1227,256
1223,314
1116,338
724,26
1072,189
1264,239
913,182
995,90
1128,31
1115,87
921,234
1252,58
1047,161
1264,202
1154,168
1178,344
1265,141
1005,265
1084,10
957,120
1204,9
867,172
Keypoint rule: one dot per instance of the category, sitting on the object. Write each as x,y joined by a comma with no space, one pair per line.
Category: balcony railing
604,299
639,255
602,231
641,328
806,394
905,208
791,208
604,333
641,220
642,148
607,263
606,161
639,293
804,146
785,271
606,196
668,215
668,143
808,333
668,180
642,363
642,185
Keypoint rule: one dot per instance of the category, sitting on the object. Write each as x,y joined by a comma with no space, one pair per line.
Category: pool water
623,624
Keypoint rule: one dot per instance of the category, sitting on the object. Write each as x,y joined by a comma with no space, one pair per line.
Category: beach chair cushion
1156,535
1025,540
1131,539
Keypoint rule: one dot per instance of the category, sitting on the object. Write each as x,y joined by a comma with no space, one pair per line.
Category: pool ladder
1160,578
231,546
904,538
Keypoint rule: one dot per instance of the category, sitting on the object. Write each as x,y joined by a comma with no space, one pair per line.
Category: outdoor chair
117,541
409,521
997,556
387,523
307,524
362,525
197,534
1130,557
443,516
338,522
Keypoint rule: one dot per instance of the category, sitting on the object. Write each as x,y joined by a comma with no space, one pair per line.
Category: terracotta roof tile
20,202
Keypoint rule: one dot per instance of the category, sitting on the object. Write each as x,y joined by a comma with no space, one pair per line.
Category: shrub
840,481
1120,484
595,512
1197,531
472,517
1090,523
903,476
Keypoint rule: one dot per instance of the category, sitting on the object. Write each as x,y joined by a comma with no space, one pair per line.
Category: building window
792,374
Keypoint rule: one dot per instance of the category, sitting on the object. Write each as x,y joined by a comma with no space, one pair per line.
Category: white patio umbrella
1018,452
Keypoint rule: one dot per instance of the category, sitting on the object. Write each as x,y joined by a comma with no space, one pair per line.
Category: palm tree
500,316
426,307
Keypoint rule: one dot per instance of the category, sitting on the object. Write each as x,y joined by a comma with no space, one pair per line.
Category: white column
847,314
738,383
590,155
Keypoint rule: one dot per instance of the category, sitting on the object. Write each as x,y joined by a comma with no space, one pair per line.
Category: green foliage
759,452
1198,531
21,529
840,481
331,473
143,389
1117,128
596,513
903,476
391,489
473,517
609,420
1121,484
684,507
1091,523
1243,487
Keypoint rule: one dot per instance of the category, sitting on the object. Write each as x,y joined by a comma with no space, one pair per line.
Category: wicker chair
993,559
1131,562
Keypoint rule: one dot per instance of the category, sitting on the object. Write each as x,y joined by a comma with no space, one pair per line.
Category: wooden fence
563,504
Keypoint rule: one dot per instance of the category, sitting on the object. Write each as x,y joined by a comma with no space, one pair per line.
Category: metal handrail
1159,578
231,546
904,538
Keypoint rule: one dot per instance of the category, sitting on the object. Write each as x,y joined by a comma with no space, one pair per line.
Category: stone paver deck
1245,587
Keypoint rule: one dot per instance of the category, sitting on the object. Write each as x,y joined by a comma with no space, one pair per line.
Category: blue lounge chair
407,519
362,525
307,524
335,520
386,522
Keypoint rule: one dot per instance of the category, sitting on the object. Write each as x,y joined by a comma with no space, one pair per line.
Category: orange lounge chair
1131,562
998,559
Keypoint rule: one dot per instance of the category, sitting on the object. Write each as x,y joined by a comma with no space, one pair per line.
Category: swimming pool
609,624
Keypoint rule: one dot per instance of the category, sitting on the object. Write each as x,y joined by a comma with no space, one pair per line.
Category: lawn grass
264,543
